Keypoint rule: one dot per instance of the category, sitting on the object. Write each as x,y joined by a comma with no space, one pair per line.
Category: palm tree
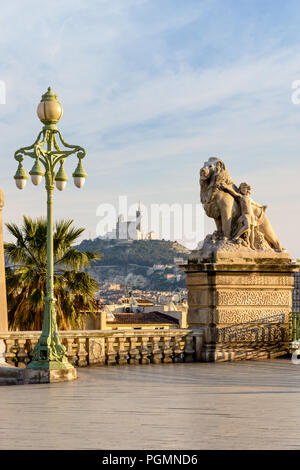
74,288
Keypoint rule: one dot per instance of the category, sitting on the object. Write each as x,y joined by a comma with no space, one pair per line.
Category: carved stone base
241,305
20,376
40,376
223,353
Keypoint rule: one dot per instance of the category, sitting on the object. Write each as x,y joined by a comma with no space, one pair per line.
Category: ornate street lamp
49,353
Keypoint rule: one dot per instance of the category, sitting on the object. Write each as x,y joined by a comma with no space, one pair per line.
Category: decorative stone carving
97,351
239,279
243,314
239,220
252,297
257,280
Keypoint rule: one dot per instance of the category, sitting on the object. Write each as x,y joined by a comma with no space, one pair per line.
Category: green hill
131,262
140,252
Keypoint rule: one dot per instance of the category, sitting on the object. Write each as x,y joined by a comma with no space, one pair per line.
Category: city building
130,229
139,321
138,313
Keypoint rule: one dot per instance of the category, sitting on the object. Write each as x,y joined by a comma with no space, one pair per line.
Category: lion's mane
210,186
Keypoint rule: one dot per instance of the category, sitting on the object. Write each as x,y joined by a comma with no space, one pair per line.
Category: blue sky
152,88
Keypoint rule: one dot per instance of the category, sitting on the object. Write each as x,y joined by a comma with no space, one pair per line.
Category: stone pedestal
19,376
3,303
241,302
40,376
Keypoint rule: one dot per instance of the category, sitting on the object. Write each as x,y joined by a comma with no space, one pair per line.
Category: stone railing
99,347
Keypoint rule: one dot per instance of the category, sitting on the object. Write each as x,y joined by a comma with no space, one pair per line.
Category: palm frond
26,279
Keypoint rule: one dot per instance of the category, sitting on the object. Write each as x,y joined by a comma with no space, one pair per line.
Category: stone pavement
241,405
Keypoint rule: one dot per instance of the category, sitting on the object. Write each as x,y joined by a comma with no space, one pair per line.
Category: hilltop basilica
130,229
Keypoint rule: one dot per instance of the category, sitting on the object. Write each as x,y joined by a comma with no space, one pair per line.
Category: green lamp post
49,353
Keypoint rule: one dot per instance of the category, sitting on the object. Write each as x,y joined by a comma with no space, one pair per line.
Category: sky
152,89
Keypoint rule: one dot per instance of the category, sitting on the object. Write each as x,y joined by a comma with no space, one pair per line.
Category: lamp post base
20,376
47,371
50,365
43,376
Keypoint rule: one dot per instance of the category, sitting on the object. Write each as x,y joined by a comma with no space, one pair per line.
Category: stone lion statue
221,204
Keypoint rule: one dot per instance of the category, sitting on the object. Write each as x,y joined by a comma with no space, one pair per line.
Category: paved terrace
243,405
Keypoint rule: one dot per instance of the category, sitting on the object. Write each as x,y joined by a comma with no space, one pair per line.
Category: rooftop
145,318
242,405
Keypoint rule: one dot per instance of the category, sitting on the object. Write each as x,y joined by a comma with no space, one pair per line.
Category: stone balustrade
100,347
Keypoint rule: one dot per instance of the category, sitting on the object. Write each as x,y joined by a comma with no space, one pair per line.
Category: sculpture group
239,279
238,218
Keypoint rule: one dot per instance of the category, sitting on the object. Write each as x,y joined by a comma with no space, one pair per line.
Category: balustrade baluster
177,350
22,355
156,351
71,355
167,350
122,353
11,350
82,352
111,352
134,353
145,352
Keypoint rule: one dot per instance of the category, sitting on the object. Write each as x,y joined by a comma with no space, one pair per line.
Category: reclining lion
224,208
